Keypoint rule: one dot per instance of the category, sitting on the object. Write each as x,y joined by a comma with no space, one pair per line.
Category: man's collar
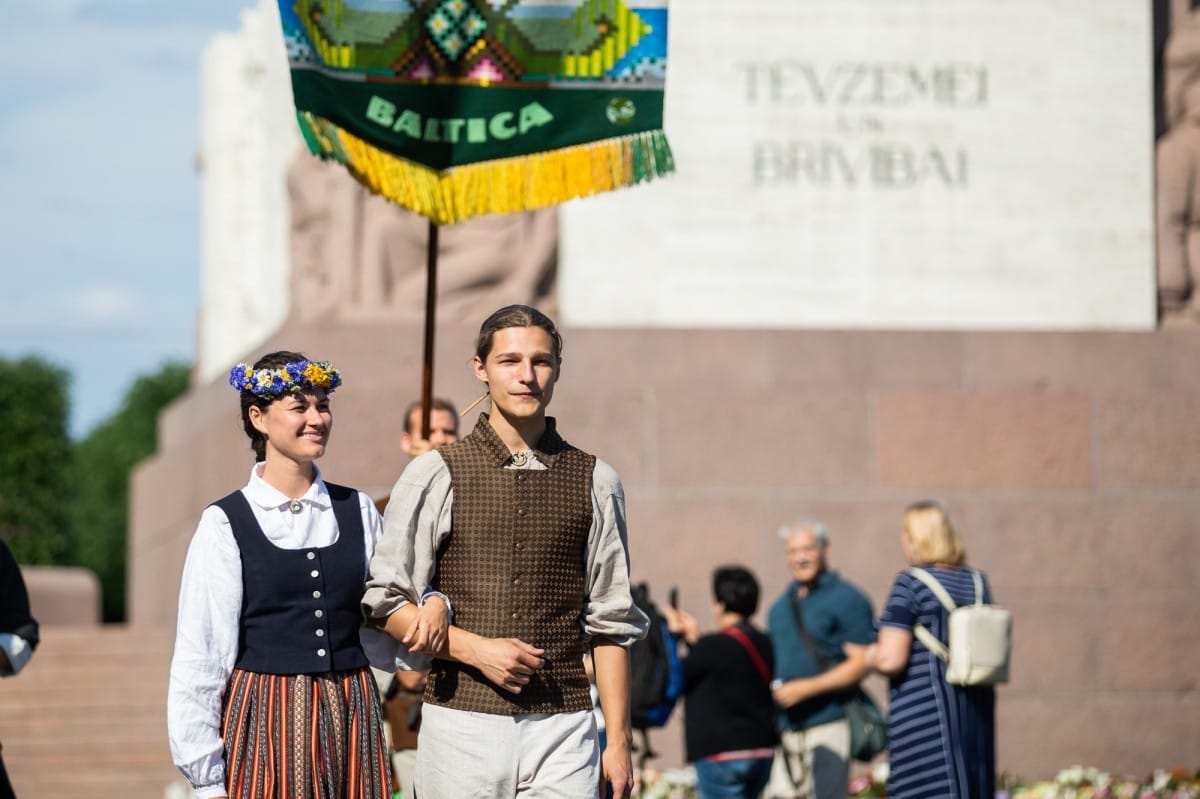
823,580
547,449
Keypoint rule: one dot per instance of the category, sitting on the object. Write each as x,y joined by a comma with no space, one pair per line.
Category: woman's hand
428,631
681,623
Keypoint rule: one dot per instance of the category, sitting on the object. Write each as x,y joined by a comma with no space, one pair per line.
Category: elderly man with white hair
820,627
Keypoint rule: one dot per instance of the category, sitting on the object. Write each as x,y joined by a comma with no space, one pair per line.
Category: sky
99,196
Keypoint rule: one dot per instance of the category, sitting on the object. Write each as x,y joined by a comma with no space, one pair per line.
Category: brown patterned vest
514,565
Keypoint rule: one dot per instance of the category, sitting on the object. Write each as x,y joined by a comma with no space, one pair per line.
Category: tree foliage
34,460
63,504
104,461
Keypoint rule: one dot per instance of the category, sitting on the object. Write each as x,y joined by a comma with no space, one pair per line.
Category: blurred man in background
820,628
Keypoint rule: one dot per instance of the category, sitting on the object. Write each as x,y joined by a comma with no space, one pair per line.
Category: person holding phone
729,714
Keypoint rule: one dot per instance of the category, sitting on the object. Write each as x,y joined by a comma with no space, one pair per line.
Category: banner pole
431,258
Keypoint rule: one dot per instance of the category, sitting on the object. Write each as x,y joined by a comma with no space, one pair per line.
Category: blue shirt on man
834,612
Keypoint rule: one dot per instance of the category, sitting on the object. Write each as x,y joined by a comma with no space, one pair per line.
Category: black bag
656,670
868,728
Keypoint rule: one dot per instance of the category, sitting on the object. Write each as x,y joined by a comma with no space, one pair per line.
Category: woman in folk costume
271,695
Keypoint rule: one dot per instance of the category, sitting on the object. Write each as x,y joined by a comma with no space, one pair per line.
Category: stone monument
914,164
966,170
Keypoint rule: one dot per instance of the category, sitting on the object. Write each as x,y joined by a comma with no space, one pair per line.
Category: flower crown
288,379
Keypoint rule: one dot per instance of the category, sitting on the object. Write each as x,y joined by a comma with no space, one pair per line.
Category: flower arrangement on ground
1076,782
676,783
1079,782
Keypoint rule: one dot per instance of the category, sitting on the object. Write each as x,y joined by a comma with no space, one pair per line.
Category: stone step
87,716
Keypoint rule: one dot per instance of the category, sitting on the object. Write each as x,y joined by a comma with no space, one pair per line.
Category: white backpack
980,636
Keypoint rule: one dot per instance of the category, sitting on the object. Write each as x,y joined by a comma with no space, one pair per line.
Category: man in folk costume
526,536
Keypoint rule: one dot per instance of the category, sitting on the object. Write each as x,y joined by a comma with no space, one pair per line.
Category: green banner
442,127
456,108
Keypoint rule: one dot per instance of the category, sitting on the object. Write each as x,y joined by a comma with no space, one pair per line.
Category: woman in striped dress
941,736
271,695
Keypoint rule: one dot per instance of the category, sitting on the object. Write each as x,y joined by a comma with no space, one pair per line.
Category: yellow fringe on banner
502,186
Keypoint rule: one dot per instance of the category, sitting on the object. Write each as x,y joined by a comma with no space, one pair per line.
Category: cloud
99,125
102,305
93,307
98,156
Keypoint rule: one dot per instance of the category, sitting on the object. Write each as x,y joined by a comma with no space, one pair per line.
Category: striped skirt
304,736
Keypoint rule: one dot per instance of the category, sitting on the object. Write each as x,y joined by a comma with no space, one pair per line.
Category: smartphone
673,596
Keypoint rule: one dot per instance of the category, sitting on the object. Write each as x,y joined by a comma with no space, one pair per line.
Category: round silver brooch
520,458
295,506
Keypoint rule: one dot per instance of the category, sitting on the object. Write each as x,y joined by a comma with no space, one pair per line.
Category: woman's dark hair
737,589
272,360
516,316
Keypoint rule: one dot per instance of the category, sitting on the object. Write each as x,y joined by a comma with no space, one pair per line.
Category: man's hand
793,692
841,677
616,770
507,662
611,664
427,632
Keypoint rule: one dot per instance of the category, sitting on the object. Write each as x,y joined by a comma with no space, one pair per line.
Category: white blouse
210,602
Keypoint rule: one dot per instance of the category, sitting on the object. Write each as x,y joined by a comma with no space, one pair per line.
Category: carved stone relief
356,255
1177,178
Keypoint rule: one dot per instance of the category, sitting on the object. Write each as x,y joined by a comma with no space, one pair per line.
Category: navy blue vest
301,608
